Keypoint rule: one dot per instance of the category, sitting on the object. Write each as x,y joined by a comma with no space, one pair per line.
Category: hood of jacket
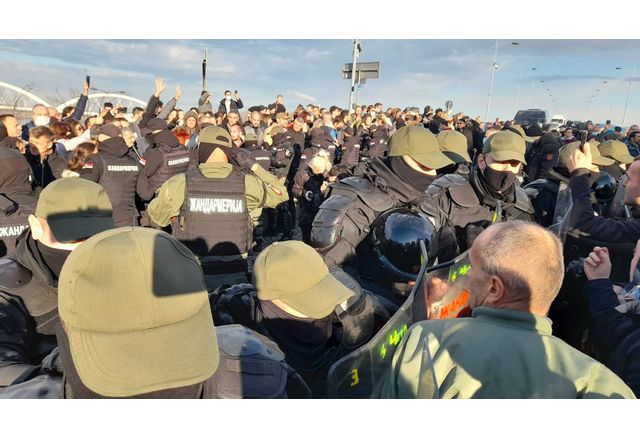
115,146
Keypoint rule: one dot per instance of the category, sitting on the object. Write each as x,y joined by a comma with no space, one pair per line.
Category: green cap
75,209
136,313
454,145
309,289
596,158
505,145
517,129
215,136
420,144
616,150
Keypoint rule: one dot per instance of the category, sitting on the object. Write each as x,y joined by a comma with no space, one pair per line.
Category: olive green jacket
262,189
496,353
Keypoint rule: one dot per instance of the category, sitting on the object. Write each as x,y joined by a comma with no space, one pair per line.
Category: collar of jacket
27,254
515,319
384,176
216,169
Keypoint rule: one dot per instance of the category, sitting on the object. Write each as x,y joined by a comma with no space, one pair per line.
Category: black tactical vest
119,178
11,226
39,298
174,161
214,219
262,157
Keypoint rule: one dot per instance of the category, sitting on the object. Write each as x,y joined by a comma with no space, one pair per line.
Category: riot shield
562,213
618,208
441,292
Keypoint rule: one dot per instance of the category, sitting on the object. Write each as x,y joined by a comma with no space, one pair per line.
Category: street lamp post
494,67
628,93
613,95
357,48
533,80
518,92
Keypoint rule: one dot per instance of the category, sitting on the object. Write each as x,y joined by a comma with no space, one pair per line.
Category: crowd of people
219,252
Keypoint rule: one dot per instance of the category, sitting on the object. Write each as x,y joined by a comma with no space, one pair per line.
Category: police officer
255,149
400,180
309,186
17,199
542,155
490,194
164,159
212,207
617,151
69,210
315,316
115,168
543,192
157,340
453,144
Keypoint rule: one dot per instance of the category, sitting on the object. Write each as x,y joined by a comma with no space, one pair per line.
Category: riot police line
386,225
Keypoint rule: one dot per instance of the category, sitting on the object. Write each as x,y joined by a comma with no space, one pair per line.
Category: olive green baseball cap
75,209
136,312
454,145
596,158
293,272
505,145
420,144
616,150
517,129
215,135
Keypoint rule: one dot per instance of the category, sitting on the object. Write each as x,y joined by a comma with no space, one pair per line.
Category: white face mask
228,98
41,120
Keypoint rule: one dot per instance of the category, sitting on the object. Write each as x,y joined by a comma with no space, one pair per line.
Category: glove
308,195
242,158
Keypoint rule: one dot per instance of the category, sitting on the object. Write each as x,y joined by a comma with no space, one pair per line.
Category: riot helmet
395,255
604,189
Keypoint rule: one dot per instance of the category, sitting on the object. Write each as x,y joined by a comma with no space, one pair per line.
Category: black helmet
604,188
396,237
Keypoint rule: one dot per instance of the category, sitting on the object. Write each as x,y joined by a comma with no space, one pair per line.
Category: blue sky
412,72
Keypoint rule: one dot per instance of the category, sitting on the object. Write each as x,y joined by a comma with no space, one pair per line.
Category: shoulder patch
142,161
88,165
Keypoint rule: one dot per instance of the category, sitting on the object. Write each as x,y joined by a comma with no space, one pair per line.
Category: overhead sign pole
359,73
204,71
356,51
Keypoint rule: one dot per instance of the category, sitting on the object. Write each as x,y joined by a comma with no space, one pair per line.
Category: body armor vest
214,219
174,161
12,226
119,178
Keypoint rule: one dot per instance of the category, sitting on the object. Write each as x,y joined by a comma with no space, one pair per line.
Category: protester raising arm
81,105
150,112
166,109
582,214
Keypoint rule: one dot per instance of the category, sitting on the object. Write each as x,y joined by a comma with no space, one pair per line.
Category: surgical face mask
498,180
41,120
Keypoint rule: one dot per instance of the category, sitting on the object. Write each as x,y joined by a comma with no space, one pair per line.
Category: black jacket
233,105
471,208
597,227
615,334
28,312
47,170
541,157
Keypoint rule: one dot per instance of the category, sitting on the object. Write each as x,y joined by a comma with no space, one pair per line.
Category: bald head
520,266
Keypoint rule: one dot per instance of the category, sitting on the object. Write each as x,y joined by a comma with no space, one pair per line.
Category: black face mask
498,180
410,176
